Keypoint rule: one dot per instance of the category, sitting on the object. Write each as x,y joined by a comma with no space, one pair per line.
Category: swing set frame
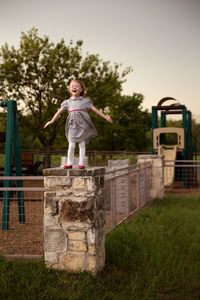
12,147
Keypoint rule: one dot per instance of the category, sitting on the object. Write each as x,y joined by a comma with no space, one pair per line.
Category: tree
2,129
195,133
37,73
132,124
131,129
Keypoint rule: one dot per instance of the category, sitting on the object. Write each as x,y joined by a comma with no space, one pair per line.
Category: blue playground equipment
12,147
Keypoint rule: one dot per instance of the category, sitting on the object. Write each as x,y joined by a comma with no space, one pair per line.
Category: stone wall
157,174
74,220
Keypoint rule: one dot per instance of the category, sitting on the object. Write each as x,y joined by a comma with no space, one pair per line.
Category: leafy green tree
132,123
196,136
2,129
37,73
131,129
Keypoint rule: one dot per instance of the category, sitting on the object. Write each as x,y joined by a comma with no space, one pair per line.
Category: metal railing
182,176
126,190
21,214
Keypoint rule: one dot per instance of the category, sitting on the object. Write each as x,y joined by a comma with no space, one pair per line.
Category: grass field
156,255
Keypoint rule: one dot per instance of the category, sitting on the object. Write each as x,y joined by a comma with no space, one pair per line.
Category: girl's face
75,89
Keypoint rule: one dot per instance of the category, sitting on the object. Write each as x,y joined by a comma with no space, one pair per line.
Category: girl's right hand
48,123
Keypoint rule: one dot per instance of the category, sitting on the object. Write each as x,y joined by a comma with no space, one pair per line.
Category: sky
159,39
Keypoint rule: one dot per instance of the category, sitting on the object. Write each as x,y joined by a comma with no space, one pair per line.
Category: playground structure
183,150
12,147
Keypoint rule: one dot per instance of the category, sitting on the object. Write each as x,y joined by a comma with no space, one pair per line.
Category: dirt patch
27,238
177,188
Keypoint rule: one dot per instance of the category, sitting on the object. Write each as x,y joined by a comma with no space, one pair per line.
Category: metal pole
138,186
7,166
113,201
185,147
18,168
12,139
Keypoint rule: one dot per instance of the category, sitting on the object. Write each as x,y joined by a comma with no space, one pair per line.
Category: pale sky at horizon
159,39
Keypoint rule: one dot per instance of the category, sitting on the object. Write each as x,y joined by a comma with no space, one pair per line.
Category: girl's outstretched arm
98,112
59,112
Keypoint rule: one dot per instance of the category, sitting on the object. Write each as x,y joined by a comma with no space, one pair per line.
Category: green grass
56,159
156,255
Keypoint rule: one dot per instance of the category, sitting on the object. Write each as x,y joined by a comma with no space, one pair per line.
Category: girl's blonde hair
84,89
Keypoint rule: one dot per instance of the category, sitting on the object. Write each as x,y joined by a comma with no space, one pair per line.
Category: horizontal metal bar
21,177
192,161
23,189
172,112
89,152
120,175
110,177
187,166
114,169
131,169
168,107
19,256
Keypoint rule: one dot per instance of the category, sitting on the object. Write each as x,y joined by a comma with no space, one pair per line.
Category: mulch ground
27,238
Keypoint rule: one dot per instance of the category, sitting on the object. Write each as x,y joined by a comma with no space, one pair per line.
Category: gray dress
79,126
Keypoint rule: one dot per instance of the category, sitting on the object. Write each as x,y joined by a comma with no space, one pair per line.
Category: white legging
70,153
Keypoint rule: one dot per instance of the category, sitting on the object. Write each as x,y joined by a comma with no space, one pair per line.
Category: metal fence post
129,194
138,186
113,201
145,190
95,158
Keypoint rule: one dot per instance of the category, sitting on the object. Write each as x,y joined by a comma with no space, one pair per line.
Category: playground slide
169,172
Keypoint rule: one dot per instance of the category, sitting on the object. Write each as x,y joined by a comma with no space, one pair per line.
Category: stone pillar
157,174
121,185
74,220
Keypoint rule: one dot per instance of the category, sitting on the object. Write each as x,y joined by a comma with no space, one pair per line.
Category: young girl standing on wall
79,127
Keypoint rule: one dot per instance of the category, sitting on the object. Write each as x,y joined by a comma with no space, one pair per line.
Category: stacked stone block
74,220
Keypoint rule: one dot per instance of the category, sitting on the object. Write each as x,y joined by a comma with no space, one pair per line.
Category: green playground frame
187,151
12,146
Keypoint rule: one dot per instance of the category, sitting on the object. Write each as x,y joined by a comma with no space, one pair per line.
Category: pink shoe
68,167
81,167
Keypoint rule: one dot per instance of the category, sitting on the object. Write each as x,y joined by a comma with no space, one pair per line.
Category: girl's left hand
108,118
